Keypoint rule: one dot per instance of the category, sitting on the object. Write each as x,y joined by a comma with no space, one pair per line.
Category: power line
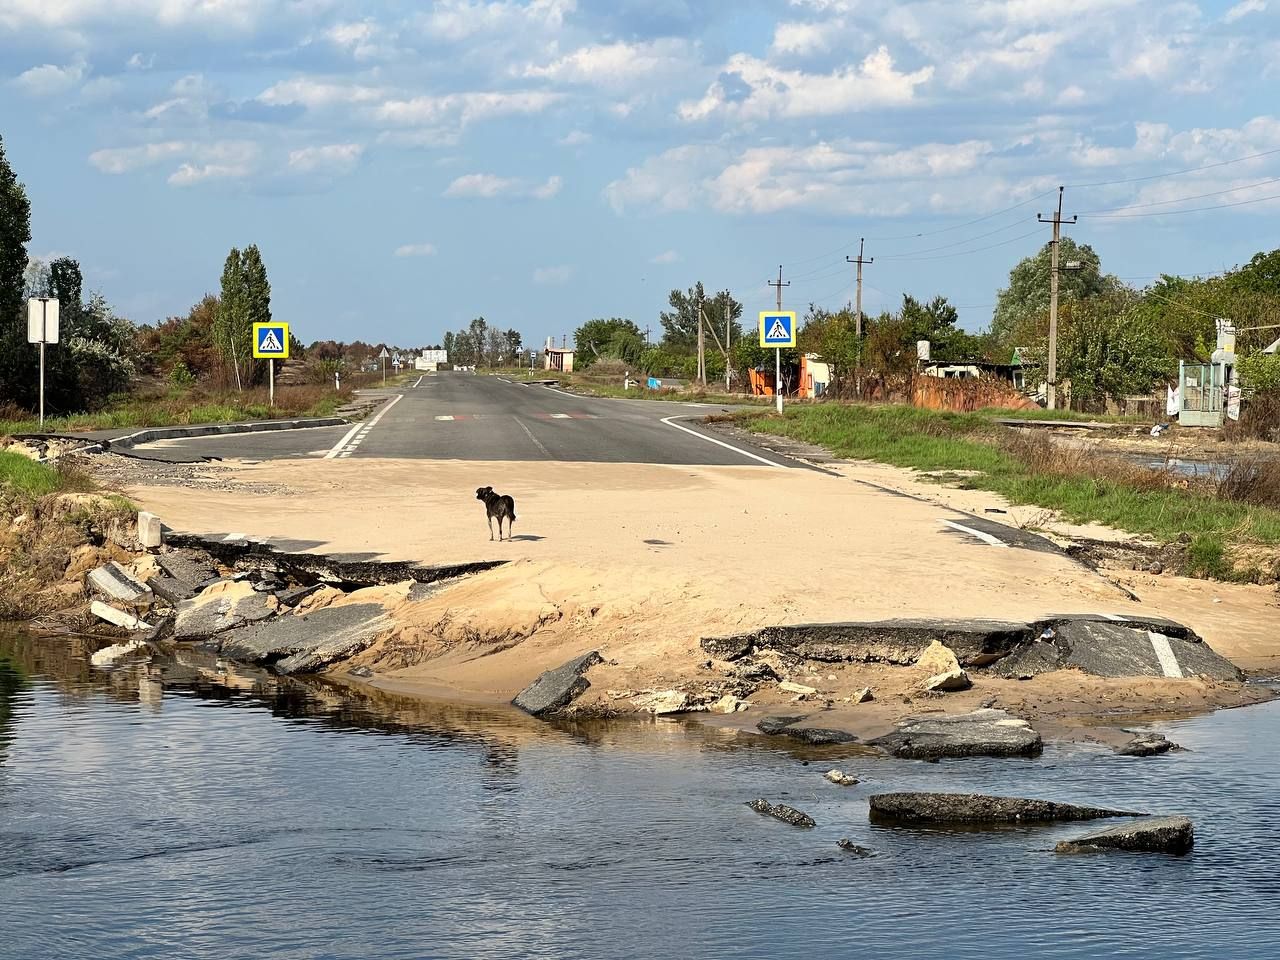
957,243
1184,306
1199,196
1174,173
1170,213
961,226
962,253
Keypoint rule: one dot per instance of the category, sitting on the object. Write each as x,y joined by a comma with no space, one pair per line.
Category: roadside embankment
1225,527
596,566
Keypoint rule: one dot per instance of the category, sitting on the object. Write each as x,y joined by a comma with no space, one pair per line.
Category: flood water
154,812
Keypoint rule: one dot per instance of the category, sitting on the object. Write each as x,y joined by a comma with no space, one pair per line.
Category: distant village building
558,359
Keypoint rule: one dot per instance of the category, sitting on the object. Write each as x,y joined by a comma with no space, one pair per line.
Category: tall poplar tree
15,234
230,330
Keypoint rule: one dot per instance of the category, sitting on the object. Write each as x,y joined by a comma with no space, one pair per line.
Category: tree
1026,299
1108,347
680,324
450,346
231,330
601,339
257,300
15,234
514,344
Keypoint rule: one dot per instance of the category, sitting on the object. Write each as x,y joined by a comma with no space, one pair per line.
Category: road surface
456,416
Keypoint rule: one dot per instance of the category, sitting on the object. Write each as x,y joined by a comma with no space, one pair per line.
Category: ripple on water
302,824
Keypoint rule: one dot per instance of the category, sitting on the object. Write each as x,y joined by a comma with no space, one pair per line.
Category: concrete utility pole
702,346
777,354
1051,388
727,328
857,315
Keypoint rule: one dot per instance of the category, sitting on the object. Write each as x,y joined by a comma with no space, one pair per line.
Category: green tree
612,338
1109,347
16,357
680,323
1026,299
450,346
231,330
257,300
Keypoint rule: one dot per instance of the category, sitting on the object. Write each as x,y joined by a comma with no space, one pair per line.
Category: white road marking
233,537
984,537
420,379
535,440
561,416
721,443
1164,653
347,445
1116,617
444,418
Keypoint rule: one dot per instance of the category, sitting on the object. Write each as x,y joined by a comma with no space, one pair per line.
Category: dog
500,506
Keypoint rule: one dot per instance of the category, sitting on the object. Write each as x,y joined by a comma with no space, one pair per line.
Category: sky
407,166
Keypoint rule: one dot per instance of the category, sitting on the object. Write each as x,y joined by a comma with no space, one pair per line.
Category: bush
180,374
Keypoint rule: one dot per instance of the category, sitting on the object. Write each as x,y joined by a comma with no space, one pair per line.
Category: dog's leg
491,529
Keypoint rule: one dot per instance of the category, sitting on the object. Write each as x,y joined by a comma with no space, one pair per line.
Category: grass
180,407
1083,487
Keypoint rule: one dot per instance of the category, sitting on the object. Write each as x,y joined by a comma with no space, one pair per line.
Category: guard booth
1207,390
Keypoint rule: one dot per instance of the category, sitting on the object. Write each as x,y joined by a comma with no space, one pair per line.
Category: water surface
171,811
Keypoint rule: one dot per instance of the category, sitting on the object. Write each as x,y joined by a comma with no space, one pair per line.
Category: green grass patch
30,479
1082,488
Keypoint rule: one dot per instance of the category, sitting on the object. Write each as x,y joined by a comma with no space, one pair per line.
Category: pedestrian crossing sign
777,329
271,341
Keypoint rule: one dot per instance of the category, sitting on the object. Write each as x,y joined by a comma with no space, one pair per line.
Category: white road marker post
777,376
42,328
271,383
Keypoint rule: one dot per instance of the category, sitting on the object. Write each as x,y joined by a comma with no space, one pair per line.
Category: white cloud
457,20
1243,9
333,158
552,276
489,186
670,181
139,62
226,160
771,91
238,14
416,250
668,256
464,107
803,39
614,64
319,94
50,80
126,159
575,138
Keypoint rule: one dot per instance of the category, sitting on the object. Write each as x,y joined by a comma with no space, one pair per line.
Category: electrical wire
1170,213
1200,196
1184,306
1173,173
962,253
909,254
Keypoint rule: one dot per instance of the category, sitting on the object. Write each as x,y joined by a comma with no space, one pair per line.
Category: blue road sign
777,329
271,341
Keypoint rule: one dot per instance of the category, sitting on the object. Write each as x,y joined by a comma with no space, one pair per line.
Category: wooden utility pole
1051,387
779,284
857,316
777,353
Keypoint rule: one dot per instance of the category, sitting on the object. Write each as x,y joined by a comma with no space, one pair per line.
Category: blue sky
407,166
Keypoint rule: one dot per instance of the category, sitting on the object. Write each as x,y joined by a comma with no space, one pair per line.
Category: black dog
500,506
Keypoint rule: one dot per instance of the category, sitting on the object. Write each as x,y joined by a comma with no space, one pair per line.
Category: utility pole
702,347
857,315
1051,388
727,328
777,354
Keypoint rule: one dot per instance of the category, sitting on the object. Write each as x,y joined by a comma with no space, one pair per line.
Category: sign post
42,328
777,330
383,357
271,343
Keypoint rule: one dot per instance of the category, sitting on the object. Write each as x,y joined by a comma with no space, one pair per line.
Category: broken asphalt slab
1174,835
1099,644
921,808
982,733
208,615
556,689
306,643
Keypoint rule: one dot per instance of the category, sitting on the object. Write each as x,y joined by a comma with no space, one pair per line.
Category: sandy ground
641,561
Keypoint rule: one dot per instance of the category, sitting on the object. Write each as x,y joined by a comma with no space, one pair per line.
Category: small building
558,359
815,376
975,370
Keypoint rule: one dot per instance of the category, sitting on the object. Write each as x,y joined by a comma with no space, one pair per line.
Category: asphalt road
459,416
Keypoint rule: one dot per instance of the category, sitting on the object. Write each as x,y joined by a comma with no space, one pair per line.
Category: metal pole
384,371
271,380
777,383
44,335
727,328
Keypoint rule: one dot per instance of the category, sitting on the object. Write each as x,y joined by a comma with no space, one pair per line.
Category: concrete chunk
304,643
206,616
1174,835
104,611
947,682
150,530
979,808
982,733
109,655
556,689
116,583
171,589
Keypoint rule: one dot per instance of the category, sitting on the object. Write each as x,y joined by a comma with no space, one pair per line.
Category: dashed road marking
420,379
1164,653
561,416
347,445
537,443
981,535
444,418
721,443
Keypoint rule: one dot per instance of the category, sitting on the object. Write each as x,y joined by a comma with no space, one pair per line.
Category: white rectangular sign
435,356
42,321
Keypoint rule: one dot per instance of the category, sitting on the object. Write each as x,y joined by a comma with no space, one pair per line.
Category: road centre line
347,445
984,537
721,443
1164,653
420,379
536,442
